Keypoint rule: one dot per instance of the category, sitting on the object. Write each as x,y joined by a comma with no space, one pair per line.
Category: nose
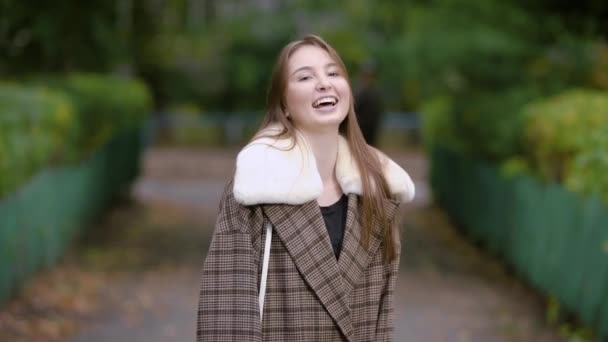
323,83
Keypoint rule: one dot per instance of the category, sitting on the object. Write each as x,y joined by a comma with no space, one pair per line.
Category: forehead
309,55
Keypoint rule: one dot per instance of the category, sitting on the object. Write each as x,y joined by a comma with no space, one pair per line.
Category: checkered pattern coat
310,295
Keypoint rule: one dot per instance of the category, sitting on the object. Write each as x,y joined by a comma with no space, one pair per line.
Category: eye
304,78
333,73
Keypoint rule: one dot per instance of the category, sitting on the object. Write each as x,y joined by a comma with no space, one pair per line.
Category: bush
566,139
487,125
598,74
569,62
63,120
588,172
104,104
33,127
437,126
490,123
457,47
224,67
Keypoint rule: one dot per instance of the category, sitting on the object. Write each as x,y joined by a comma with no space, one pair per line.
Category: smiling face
317,93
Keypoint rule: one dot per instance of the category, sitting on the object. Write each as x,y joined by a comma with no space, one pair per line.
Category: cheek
342,86
295,96
344,91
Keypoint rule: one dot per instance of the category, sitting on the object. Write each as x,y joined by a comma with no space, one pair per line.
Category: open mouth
325,102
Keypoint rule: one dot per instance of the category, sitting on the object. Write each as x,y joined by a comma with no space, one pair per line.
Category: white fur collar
268,172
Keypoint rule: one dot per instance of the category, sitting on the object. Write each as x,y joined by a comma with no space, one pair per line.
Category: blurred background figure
368,103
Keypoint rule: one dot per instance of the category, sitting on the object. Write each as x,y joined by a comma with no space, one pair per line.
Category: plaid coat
310,295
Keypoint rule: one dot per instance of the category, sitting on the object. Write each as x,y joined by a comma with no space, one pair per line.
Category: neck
324,146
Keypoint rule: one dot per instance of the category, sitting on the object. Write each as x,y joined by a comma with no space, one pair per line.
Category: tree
59,36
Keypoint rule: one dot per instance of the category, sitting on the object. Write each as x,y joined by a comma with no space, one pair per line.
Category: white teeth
325,100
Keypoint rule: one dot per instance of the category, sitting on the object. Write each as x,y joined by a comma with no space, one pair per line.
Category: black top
335,220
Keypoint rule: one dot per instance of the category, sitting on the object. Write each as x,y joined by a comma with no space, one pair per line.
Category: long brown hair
366,159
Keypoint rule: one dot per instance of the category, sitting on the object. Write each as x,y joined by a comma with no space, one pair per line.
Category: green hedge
56,120
76,139
104,105
566,139
487,65
561,139
41,218
553,237
34,124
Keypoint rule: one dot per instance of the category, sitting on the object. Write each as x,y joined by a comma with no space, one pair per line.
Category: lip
337,99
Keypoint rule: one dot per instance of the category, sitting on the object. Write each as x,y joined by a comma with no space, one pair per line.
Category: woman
329,200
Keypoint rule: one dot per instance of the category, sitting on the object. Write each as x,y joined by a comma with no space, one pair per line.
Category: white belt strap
265,267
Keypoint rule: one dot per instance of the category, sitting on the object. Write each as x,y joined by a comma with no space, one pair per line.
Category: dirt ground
134,275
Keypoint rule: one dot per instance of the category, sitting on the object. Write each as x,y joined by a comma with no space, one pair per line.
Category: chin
334,119
315,120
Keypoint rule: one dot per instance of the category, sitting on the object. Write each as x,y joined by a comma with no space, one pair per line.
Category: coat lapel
354,259
302,230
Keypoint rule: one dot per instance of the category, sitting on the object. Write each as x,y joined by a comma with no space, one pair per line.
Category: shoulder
276,171
234,216
399,181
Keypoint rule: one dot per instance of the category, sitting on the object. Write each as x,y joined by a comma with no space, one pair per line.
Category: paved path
145,257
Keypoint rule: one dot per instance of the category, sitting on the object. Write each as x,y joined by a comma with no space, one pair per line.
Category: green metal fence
554,238
40,219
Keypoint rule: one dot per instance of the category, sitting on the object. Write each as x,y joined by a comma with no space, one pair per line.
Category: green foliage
437,126
570,61
61,35
63,120
515,166
219,55
588,172
599,69
582,17
490,123
454,49
225,67
248,58
348,43
487,64
567,138
33,127
487,125
556,316
553,310
104,104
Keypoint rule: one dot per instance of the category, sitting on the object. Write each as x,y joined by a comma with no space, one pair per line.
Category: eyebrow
328,65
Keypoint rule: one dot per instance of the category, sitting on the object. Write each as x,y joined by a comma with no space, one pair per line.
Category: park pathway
134,277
